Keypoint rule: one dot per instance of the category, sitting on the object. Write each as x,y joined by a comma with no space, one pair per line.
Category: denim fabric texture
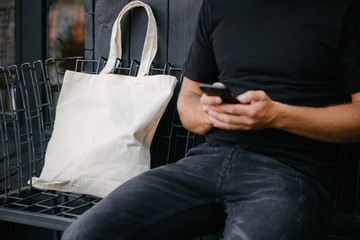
250,196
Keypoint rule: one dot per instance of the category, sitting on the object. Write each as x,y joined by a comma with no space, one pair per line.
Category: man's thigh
270,201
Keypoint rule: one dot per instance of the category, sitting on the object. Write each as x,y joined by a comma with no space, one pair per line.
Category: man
268,161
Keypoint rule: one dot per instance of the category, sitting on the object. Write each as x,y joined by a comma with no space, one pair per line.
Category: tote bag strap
150,44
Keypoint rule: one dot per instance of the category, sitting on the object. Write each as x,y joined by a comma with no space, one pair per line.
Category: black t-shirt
304,53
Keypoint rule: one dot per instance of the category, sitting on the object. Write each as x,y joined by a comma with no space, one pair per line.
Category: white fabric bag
105,123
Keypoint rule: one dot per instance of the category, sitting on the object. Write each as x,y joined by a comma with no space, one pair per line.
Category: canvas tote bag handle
150,44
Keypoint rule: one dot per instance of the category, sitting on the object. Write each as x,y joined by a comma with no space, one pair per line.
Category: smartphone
222,91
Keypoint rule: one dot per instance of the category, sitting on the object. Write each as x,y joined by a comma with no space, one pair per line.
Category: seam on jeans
163,217
223,171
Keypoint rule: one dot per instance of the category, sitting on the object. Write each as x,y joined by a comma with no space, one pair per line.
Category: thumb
218,84
252,96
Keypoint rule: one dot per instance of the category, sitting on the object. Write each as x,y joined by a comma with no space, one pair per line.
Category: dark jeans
255,196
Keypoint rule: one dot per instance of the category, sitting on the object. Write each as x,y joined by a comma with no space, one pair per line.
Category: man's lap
251,188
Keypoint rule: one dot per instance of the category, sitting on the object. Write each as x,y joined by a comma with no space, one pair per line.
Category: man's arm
200,113
340,123
191,110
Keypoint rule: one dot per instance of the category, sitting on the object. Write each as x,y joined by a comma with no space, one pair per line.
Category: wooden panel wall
176,20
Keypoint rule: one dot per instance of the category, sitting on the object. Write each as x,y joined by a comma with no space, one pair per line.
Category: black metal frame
26,129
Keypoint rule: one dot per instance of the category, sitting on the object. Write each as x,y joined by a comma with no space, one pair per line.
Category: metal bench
28,103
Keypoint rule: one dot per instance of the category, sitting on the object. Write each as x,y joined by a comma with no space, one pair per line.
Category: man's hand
256,111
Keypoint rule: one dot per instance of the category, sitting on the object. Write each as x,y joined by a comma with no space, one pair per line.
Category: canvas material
105,123
150,43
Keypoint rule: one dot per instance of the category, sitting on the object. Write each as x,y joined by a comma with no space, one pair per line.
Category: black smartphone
222,91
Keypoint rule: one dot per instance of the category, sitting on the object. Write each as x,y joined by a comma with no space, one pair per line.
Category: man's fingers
252,96
210,100
225,121
218,84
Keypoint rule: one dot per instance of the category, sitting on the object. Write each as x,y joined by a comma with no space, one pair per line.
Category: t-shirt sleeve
200,64
350,48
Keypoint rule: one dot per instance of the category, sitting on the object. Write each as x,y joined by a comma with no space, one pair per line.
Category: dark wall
176,21
30,30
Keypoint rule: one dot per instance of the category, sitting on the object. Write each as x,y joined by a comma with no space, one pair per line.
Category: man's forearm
339,124
190,110
191,115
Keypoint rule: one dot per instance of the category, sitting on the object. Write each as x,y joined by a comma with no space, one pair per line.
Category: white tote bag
105,123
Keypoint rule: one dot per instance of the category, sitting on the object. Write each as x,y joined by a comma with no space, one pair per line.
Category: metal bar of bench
35,219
